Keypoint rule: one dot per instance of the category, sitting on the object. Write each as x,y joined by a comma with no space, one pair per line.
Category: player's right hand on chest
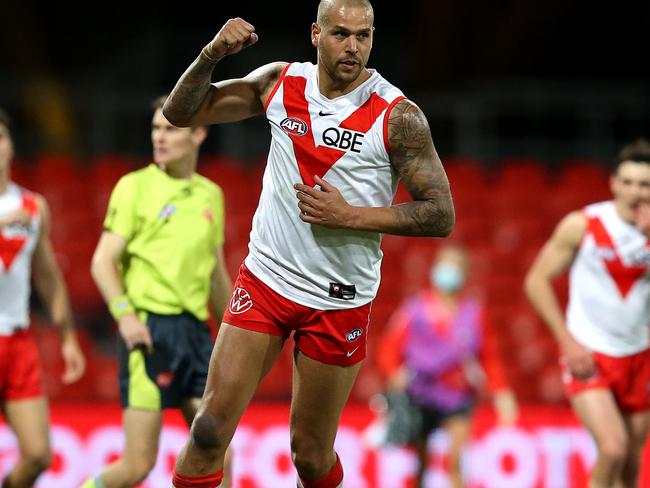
235,35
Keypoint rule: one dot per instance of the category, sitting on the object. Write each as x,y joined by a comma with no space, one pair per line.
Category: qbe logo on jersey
240,302
294,126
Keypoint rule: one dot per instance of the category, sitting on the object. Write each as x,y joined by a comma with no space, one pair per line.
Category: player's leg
422,454
430,421
599,413
142,431
189,409
320,392
239,361
635,403
142,400
25,408
638,425
28,419
458,430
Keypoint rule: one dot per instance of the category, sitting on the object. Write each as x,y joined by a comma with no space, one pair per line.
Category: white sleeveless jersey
609,283
17,245
344,141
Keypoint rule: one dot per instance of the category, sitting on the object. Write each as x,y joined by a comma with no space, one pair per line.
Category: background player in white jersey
25,247
604,338
341,137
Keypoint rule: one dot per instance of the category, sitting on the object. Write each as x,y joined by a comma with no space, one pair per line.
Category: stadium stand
500,216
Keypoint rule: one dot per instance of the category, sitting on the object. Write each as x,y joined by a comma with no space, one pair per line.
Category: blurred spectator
438,353
25,247
604,337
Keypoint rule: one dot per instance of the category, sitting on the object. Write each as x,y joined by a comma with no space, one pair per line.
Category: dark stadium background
528,101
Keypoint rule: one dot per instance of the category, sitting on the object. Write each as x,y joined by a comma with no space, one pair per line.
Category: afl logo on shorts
294,126
240,302
353,335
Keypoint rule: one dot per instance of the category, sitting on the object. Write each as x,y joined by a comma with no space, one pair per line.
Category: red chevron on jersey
30,204
317,160
9,249
312,160
362,119
623,276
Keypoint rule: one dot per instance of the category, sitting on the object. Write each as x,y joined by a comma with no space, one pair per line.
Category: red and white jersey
609,285
17,243
344,140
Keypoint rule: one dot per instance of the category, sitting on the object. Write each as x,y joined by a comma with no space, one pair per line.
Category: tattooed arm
412,154
431,213
196,101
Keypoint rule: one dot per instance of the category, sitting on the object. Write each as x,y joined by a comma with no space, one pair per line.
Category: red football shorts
627,377
20,367
336,337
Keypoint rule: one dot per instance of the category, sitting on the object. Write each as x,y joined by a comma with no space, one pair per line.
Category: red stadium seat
523,173
515,233
580,183
520,190
106,170
502,288
225,172
583,172
467,179
472,229
22,173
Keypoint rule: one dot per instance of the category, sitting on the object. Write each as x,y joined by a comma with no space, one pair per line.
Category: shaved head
326,6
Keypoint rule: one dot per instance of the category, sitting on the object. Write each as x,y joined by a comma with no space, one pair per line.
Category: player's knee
38,461
630,472
309,457
140,468
614,449
205,433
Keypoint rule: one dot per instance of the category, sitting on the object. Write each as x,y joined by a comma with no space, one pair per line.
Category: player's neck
180,169
4,180
624,212
331,88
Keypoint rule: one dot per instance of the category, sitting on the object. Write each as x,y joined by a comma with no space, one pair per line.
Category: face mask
447,277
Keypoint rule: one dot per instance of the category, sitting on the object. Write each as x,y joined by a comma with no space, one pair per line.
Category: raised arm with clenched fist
235,35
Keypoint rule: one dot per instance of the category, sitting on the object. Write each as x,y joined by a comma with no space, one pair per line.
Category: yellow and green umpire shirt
173,227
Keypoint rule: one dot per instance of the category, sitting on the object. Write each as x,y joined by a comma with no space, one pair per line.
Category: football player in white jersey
25,248
604,336
341,138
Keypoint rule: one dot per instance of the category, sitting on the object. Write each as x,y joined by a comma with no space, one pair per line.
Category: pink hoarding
546,449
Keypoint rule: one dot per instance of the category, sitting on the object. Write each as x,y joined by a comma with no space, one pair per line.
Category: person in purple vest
438,350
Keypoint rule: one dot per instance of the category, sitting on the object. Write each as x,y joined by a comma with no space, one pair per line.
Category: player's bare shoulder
266,77
409,135
571,229
414,158
43,209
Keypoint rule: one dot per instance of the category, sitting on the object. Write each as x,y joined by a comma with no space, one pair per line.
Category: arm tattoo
412,154
189,93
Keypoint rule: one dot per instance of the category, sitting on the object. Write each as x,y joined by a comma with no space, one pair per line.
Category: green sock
95,482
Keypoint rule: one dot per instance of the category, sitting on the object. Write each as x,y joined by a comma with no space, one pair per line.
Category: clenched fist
235,35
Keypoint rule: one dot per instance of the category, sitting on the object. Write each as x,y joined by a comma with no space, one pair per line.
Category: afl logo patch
353,335
294,126
240,302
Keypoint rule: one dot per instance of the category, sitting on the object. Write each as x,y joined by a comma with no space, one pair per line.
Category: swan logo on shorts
294,126
353,335
240,302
